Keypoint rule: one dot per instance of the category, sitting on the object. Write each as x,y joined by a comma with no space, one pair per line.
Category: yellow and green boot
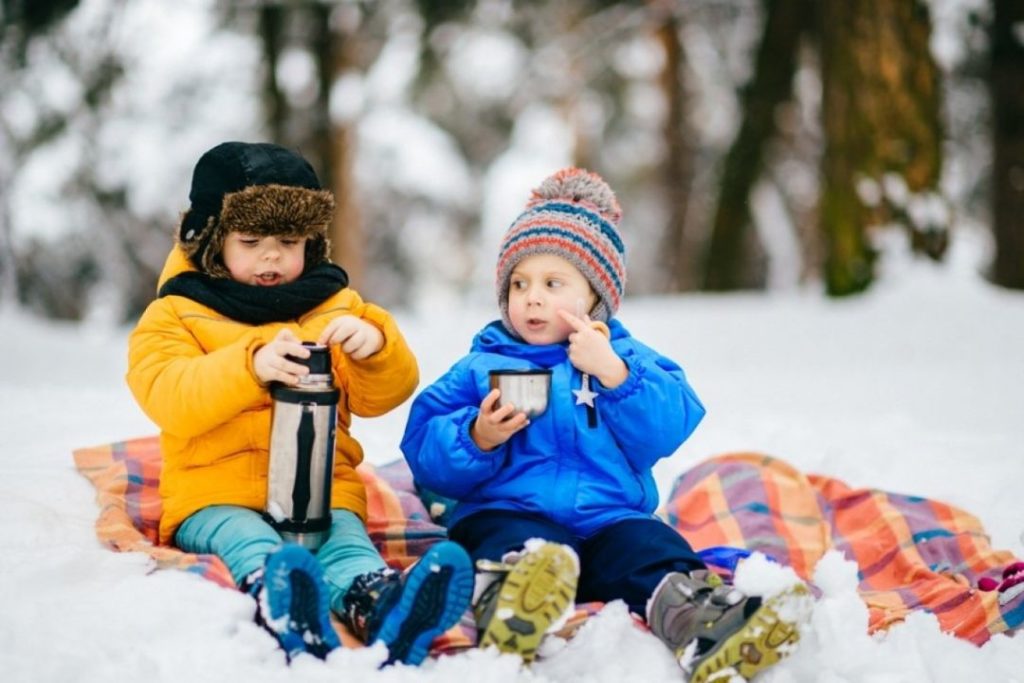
526,597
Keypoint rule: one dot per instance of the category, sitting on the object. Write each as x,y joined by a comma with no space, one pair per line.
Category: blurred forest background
754,144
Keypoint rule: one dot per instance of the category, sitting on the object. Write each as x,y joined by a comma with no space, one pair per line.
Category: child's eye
249,241
289,242
554,284
518,284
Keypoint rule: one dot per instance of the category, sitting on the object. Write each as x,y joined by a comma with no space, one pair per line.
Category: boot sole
295,588
765,639
534,595
436,594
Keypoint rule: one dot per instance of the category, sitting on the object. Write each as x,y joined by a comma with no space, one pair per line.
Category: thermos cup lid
317,387
319,361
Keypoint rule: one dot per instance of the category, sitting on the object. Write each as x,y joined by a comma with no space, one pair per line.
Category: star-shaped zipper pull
584,396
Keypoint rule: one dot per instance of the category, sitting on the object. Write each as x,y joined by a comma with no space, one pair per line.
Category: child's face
264,261
540,286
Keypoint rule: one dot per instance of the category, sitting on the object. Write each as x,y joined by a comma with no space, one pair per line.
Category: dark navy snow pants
623,561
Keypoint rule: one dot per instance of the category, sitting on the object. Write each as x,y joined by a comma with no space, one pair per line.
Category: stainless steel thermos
302,452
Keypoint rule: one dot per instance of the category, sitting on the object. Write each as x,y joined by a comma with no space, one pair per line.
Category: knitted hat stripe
555,245
582,233
516,245
606,228
602,259
603,286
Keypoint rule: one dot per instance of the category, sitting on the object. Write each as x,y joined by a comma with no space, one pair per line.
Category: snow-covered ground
917,387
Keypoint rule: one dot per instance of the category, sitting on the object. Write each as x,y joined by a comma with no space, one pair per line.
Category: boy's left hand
591,352
358,338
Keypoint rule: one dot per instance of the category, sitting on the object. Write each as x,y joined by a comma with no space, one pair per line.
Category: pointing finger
576,323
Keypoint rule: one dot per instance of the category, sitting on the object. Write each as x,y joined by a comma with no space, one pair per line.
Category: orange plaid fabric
913,553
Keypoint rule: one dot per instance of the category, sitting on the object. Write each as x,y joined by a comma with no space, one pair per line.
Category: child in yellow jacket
247,282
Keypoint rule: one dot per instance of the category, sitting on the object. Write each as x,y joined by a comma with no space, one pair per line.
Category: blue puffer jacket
581,477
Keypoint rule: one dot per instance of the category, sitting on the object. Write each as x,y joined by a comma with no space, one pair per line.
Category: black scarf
257,305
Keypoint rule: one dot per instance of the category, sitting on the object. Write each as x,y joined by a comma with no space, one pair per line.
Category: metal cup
527,390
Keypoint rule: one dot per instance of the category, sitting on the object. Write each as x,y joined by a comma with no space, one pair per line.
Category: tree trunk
849,260
1007,92
883,157
271,27
8,259
348,244
735,256
678,167
333,142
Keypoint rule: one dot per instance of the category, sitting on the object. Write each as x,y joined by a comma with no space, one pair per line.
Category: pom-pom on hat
573,214
256,188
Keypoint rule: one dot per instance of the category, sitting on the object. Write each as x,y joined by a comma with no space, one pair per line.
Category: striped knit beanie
573,214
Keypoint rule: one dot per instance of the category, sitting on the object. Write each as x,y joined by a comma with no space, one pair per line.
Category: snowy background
917,387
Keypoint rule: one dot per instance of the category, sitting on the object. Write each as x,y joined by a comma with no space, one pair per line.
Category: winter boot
526,598
292,602
715,631
407,611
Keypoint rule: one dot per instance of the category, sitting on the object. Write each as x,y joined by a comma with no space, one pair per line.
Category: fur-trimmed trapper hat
256,188
573,214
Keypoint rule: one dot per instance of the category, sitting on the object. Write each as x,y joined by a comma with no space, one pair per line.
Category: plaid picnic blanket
913,553
126,475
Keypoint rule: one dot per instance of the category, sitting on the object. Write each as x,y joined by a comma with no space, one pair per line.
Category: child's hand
269,362
590,351
358,338
494,427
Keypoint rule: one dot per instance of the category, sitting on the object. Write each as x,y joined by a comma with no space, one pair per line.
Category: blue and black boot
407,611
293,602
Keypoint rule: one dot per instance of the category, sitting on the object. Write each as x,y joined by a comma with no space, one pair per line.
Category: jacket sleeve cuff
465,442
634,380
258,341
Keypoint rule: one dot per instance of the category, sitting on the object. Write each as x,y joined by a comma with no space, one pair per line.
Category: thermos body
302,438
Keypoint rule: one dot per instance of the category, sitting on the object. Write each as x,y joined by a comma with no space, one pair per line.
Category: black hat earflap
193,222
197,226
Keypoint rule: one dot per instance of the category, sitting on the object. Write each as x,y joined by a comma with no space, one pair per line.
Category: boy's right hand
494,427
270,364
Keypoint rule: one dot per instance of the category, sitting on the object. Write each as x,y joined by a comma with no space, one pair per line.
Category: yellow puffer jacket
190,369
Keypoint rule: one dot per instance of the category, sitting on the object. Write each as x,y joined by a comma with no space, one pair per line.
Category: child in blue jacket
560,507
